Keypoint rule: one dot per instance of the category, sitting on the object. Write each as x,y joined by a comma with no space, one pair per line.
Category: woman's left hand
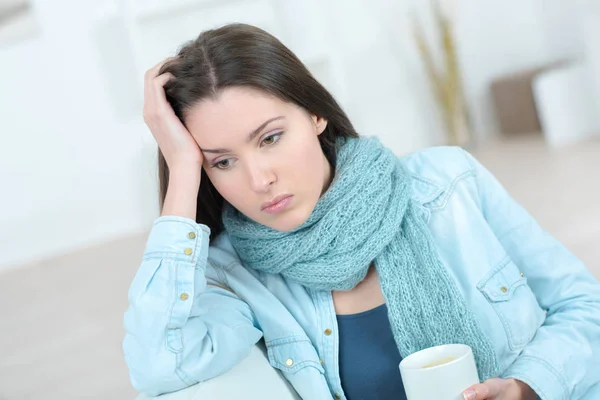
500,389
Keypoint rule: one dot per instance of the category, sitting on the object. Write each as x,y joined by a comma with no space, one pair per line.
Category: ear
320,123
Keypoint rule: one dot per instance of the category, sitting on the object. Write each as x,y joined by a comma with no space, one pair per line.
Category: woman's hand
500,389
175,142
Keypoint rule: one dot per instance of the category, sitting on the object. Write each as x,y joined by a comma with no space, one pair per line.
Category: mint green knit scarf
365,216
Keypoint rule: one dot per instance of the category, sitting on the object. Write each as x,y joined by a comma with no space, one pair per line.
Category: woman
342,257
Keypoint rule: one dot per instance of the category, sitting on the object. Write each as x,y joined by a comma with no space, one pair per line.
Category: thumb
486,390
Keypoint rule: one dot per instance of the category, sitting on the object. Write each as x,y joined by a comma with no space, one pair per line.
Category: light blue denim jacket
196,311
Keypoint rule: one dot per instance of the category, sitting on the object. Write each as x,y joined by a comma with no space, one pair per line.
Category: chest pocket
512,299
293,354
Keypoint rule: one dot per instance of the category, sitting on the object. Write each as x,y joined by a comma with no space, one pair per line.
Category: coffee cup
440,373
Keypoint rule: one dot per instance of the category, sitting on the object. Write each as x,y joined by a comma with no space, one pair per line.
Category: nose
261,177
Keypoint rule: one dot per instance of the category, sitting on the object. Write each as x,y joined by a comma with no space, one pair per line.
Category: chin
288,221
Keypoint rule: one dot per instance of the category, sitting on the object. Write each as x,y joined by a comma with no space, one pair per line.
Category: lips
274,202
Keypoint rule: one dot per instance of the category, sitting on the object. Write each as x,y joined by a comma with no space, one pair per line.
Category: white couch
252,379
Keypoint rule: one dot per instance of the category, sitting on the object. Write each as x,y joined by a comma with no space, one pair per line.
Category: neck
329,174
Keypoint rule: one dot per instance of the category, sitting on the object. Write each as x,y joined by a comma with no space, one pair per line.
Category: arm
180,328
563,359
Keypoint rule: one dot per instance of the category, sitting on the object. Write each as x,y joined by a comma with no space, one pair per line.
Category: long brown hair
244,55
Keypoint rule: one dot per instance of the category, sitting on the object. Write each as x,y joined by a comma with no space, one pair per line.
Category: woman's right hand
175,142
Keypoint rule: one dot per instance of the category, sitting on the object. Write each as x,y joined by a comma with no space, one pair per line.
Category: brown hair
244,55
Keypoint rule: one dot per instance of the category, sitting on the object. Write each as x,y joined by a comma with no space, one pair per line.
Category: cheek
305,165
227,186
311,156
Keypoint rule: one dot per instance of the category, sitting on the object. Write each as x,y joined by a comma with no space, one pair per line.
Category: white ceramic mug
446,381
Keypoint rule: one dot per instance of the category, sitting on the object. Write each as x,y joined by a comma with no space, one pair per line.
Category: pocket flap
501,282
292,354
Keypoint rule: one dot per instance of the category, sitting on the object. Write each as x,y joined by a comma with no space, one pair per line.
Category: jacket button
184,296
192,235
327,332
337,396
522,274
503,289
289,362
188,251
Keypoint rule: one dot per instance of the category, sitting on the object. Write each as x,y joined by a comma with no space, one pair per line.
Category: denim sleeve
562,362
180,328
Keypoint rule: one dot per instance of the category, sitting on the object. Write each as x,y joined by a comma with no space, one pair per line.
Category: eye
271,140
223,164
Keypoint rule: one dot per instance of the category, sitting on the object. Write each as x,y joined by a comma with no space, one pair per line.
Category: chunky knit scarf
365,216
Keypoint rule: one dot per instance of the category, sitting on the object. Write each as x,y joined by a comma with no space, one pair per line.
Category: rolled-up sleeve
173,338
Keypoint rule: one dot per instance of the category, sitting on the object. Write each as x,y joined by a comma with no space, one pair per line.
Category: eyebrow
251,136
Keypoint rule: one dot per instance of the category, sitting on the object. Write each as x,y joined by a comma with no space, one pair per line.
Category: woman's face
262,154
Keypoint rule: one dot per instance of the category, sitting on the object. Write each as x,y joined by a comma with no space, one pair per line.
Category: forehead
233,114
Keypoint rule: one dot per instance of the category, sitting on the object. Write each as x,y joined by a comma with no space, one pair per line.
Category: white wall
388,95
77,161
591,35
497,37
70,172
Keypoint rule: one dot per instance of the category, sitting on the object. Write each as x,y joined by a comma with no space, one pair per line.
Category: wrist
185,168
185,172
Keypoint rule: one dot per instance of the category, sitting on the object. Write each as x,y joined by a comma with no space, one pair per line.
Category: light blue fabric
544,328
366,215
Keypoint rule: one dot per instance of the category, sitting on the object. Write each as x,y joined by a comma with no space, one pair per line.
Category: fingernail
470,394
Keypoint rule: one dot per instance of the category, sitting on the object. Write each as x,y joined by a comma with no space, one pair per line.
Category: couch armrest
253,378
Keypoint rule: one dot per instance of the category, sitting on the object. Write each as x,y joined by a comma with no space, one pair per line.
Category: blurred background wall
76,156
78,188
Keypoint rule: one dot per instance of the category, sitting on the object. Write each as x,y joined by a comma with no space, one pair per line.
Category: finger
480,391
160,98
489,389
155,94
161,80
152,73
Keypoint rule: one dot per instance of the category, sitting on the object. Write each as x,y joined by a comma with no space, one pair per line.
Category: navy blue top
369,356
